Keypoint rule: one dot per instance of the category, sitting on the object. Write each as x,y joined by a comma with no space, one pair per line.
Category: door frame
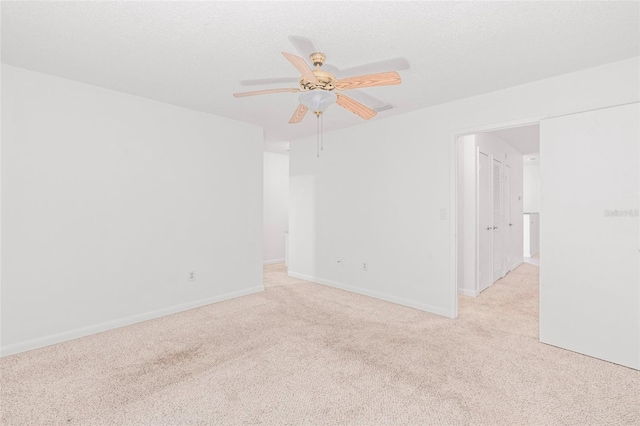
453,194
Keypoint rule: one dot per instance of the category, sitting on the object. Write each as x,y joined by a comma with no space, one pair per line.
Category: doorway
490,193
588,225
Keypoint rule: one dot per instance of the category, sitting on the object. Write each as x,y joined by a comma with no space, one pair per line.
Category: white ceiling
194,54
524,139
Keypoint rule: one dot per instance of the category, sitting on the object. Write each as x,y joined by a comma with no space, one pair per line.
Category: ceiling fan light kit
320,89
317,100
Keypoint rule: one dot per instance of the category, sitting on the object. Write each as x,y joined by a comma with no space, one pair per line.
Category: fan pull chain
321,132
318,136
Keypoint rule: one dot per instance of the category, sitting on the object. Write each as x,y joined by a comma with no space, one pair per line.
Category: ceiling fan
319,88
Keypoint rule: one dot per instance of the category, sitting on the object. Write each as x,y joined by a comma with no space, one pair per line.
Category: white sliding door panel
485,226
589,233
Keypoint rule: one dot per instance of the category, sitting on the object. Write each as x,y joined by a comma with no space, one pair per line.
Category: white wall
377,192
276,206
531,185
109,200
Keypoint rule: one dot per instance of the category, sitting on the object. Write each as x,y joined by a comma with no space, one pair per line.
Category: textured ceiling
194,54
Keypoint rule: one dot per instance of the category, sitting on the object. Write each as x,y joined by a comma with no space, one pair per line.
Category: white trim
273,262
453,231
467,292
382,296
499,126
52,339
476,205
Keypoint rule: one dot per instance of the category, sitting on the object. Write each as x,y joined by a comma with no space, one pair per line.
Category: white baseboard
516,264
377,295
467,292
110,325
273,262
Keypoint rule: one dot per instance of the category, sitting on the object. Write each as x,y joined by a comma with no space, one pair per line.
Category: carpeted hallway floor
302,353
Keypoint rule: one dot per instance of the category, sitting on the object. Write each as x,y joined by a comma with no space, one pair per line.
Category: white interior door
485,222
589,233
497,220
508,222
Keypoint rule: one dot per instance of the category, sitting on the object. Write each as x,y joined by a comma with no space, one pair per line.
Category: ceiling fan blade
371,80
395,64
374,103
276,80
265,92
302,66
299,114
355,107
305,47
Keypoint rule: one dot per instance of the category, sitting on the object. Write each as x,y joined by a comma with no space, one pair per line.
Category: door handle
488,228
495,227
511,224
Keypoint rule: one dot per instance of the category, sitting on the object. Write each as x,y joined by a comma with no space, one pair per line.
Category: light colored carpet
302,353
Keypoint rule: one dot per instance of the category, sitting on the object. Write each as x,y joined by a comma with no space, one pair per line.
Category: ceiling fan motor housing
325,81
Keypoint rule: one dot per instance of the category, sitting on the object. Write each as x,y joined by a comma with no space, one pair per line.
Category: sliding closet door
589,233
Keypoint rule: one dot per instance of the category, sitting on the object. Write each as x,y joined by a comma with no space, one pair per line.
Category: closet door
508,222
589,233
497,219
485,222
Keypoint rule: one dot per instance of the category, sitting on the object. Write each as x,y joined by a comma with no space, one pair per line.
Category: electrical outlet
192,276
365,267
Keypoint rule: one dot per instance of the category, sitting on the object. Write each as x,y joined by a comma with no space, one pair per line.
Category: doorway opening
497,205
275,227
